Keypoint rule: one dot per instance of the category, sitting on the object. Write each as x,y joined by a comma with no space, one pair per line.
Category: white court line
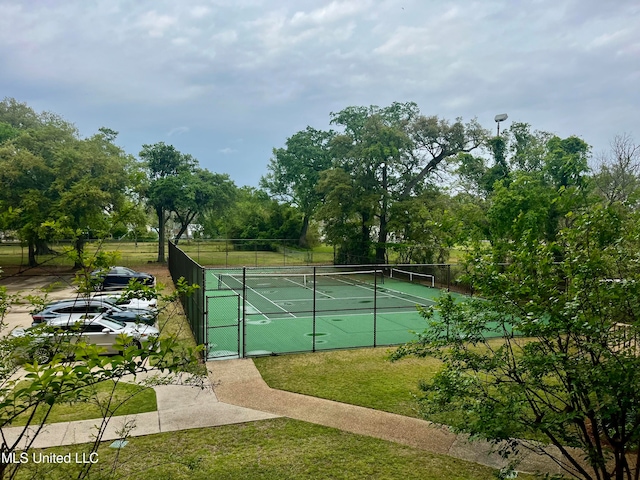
385,293
337,314
257,310
271,301
297,284
325,299
239,320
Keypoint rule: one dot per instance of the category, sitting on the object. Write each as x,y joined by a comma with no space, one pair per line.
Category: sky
229,80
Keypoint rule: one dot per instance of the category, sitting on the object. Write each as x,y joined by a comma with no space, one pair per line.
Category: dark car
87,307
119,278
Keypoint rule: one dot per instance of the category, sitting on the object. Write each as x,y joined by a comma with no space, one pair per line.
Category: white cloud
264,70
330,13
200,11
177,131
156,24
227,151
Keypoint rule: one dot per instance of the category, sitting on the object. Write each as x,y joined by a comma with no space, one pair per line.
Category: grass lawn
205,253
363,377
271,449
136,398
360,377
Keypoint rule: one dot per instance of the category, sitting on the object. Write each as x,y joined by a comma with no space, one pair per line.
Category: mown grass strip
270,449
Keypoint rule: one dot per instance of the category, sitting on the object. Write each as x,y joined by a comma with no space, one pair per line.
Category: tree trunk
160,213
302,241
364,253
42,248
381,247
32,254
79,247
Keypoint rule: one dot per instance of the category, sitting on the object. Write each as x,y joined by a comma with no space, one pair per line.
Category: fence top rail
173,245
369,266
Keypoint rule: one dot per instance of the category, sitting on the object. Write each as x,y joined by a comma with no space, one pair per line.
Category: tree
257,217
618,176
390,153
27,157
427,225
294,172
89,191
61,185
201,192
165,166
347,212
565,365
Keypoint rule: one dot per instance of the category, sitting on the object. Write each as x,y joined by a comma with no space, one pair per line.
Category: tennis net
413,277
257,281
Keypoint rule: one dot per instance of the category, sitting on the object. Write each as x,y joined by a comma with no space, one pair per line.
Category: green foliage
294,172
63,186
567,369
427,226
177,187
384,156
255,216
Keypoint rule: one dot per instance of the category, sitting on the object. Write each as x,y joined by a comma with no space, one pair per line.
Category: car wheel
132,343
98,287
42,355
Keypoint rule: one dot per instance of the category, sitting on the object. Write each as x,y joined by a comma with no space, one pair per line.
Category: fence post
244,311
205,314
375,307
313,335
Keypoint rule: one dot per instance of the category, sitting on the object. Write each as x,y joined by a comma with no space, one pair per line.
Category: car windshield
112,324
122,271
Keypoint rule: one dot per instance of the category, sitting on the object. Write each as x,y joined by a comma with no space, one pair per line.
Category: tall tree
201,192
392,152
92,178
565,365
61,185
294,172
617,178
165,165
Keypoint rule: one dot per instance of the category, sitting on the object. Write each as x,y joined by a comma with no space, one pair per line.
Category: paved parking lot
22,286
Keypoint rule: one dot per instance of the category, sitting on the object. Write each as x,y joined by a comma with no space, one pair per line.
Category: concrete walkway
240,395
180,407
239,382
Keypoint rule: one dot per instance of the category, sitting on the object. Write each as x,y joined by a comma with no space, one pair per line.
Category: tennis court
252,313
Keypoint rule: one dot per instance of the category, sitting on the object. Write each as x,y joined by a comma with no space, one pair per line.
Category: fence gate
224,335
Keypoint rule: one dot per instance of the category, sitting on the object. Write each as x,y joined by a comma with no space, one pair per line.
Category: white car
97,330
122,301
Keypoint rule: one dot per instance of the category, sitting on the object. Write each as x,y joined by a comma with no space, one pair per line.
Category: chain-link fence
181,265
252,311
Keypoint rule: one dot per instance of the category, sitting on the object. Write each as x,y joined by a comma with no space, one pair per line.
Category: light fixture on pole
500,118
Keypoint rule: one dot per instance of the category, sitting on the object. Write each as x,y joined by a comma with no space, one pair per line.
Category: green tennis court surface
261,314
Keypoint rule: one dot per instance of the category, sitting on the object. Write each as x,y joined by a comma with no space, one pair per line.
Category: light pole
500,118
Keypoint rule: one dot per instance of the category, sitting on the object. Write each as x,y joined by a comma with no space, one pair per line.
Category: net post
315,286
448,277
